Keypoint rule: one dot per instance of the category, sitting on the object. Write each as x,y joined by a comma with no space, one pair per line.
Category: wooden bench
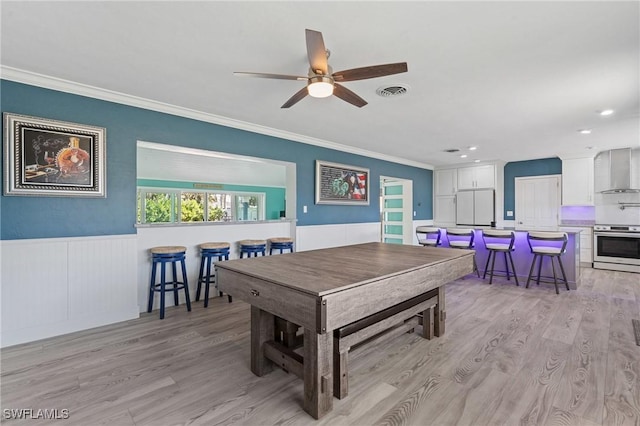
393,321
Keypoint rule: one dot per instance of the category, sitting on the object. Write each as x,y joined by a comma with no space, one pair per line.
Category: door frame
407,203
558,200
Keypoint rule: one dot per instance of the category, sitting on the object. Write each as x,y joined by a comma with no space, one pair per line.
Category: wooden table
323,290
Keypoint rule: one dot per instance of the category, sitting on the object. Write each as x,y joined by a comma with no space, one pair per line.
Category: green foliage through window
158,207
162,206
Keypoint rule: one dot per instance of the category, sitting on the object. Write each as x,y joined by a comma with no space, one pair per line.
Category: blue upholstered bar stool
280,243
499,241
254,247
161,256
208,253
548,244
428,236
463,238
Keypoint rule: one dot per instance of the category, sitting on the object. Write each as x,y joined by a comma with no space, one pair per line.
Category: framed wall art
45,157
341,184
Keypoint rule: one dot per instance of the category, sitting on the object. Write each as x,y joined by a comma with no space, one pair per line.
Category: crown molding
54,83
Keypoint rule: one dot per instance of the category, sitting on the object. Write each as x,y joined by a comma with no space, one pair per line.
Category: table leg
440,313
261,332
318,373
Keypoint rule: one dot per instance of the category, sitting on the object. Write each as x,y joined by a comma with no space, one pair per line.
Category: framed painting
45,157
341,184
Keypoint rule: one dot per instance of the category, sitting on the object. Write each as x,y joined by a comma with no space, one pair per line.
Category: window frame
176,205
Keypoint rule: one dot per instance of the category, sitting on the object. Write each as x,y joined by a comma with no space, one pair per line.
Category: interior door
396,210
484,207
464,208
537,202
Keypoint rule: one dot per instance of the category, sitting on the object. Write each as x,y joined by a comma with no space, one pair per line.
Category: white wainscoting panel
101,276
61,285
314,237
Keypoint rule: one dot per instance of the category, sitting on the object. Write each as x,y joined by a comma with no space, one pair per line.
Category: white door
446,182
445,211
485,176
483,207
396,210
537,202
464,208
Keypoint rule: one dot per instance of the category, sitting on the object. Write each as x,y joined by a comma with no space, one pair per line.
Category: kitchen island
522,256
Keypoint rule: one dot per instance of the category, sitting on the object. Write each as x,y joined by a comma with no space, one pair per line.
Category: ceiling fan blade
347,95
370,72
266,75
316,52
300,94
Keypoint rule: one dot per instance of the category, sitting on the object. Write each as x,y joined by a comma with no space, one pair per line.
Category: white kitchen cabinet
586,245
586,242
577,182
476,177
446,181
445,211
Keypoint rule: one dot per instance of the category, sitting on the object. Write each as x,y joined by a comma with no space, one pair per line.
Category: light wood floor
509,356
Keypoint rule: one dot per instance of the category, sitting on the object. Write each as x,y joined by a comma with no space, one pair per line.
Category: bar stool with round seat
252,247
428,236
499,241
280,243
463,238
208,253
539,243
161,256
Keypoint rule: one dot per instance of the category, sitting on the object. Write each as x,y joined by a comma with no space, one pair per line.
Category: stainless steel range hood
617,171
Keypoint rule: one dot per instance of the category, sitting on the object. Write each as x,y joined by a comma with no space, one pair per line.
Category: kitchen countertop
510,228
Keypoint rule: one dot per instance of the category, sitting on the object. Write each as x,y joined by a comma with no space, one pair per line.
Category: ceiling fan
322,81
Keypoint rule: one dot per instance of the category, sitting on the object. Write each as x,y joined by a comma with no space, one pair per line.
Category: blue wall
546,166
49,217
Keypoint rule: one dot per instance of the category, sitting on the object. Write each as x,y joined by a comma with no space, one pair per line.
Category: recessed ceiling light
606,112
463,156
585,131
473,148
476,161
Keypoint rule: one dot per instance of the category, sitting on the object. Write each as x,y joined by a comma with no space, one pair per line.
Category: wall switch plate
304,209
509,213
414,214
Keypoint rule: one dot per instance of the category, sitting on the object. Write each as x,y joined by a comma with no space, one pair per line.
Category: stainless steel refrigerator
475,207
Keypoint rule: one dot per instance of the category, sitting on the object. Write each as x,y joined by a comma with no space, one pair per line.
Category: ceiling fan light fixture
320,86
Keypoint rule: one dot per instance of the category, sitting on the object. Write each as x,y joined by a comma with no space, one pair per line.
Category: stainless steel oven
616,247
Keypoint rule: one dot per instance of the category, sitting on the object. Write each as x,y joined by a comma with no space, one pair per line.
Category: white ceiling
516,79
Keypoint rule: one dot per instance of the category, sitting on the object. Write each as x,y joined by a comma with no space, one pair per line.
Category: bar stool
250,247
162,256
463,238
540,249
280,243
209,252
428,236
498,241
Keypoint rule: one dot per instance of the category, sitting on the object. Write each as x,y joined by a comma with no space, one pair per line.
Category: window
157,205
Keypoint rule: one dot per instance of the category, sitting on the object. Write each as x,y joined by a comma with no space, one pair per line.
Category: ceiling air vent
389,91
452,150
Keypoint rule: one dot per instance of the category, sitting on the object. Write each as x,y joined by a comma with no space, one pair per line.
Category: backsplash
608,209
578,215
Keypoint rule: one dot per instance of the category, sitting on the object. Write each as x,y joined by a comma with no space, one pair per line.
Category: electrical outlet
304,209
509,213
